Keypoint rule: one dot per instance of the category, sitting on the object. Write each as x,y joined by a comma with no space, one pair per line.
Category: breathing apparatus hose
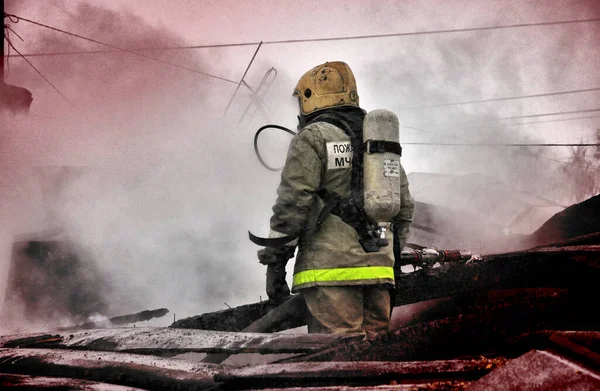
269,242
258,132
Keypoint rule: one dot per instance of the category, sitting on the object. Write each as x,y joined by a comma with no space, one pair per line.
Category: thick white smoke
168,187
156,188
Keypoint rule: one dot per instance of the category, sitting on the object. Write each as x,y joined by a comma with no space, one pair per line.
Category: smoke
163,187
139,170
436,69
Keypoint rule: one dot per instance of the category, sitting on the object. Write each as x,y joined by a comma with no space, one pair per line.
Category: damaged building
520,318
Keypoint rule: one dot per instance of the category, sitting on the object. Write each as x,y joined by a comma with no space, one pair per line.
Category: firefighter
344,282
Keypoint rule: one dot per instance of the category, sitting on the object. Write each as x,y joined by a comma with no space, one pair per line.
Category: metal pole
2,44
242,81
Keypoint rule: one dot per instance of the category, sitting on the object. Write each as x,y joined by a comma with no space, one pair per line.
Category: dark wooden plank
559,267
433,386
350,373
120,320
294,308
169,341
539,370
481,325
25,382
581,346
232,319
146,372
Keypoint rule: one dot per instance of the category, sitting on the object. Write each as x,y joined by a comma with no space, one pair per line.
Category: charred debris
523,319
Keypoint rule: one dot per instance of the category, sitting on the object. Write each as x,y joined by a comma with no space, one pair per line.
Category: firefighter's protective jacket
319,157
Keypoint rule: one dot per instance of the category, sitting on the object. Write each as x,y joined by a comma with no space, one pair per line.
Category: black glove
276,259
277,287
269,255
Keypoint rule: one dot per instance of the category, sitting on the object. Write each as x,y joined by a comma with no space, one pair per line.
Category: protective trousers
361,309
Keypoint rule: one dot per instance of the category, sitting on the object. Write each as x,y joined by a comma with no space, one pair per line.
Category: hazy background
174,185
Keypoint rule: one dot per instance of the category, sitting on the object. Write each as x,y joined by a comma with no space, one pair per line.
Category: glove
276,259
269,255
277,287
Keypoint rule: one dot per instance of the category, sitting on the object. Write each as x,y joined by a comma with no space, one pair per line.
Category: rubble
120,320
161,341
40,383
521,319
324,374
234,319
146,372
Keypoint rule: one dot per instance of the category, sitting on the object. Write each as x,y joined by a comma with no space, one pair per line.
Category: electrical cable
435,105
430,32
550,114
522,25
452,136
355,37
493,120
554,120
511,144
264,164
499,99
312,40
121,49
6,35
41,74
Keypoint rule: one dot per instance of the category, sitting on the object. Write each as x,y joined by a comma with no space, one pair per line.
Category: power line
454,136
409,127
550,114
435,105
77,52
511,144
122,49
509,118
304,40
499,99
399,109
554,120
40,73
430,32
136,52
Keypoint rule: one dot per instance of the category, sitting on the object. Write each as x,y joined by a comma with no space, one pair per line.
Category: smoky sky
169,185
158,196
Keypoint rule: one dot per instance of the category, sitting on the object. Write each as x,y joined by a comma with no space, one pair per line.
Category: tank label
339,155
391,168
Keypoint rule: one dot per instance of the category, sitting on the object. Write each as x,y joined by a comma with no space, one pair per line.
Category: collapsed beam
573,266
120,320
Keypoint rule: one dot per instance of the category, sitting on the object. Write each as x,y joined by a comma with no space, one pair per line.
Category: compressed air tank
381,170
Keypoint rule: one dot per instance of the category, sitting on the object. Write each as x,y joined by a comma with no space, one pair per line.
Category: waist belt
351,213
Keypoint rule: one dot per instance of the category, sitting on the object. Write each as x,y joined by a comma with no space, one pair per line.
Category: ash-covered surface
25,382
482,324
587,339
551,289
577,220
233,319
573,266
116,368
120,320
363,373
65,356
433,386
169,341
538,370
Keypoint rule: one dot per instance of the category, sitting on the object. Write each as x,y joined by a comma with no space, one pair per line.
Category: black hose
265,165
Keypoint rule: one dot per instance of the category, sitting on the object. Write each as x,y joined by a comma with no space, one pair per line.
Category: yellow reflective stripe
344,274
